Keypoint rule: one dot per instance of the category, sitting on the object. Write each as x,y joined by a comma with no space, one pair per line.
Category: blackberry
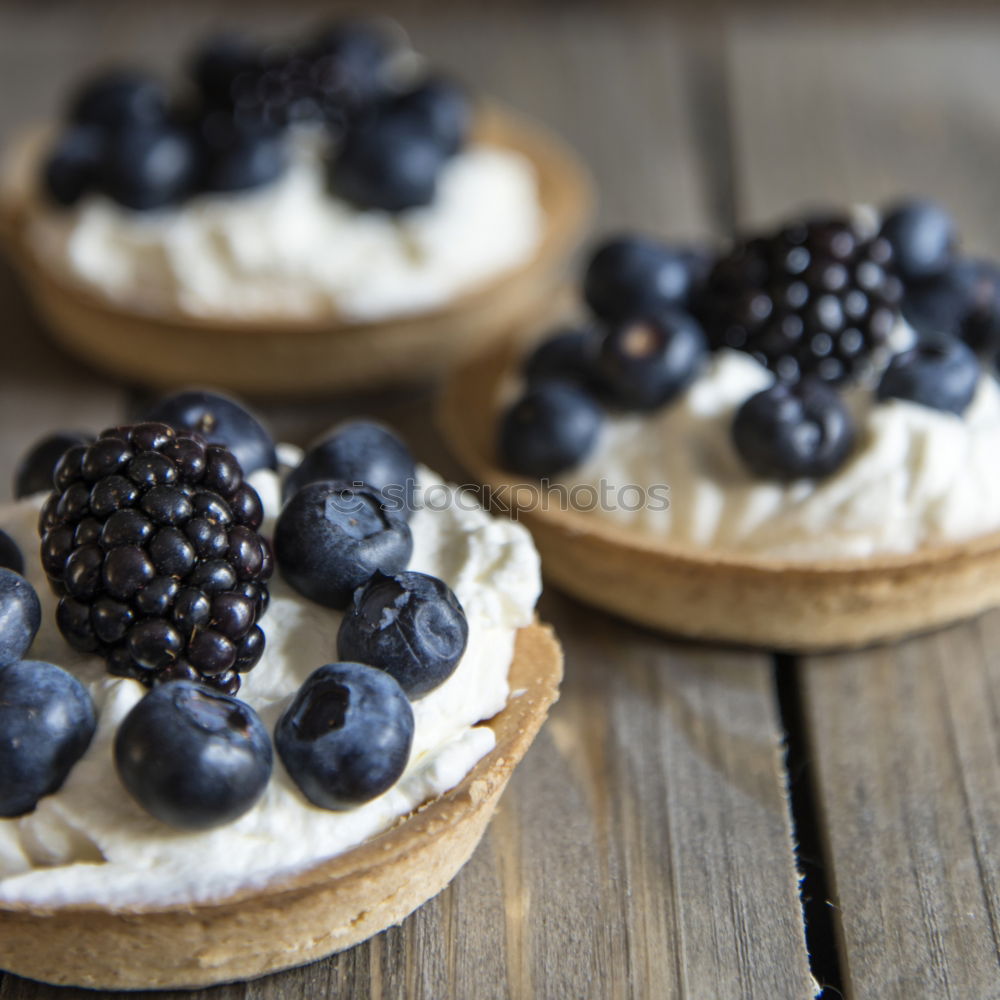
818,298
150,539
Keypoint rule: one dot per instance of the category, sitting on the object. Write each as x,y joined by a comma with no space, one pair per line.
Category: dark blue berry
941,373
441,108
632,276
149,167
236,157
193,758
569,353
10,554
119,99
218,64
219,420
410,625
964,302
36,470
387,163
347,63
332,537
922,236
361,451
73,166
47,721
20,616
551,428
346,737
644,363
791,431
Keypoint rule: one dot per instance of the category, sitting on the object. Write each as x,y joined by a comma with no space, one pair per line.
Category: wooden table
652,842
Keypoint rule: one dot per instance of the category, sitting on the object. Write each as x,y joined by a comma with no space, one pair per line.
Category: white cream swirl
917,477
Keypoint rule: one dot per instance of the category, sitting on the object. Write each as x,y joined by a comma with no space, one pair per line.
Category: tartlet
286,352
297,920
692,592
808,418
387,765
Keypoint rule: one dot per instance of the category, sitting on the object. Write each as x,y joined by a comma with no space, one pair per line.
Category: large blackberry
816,298
150,539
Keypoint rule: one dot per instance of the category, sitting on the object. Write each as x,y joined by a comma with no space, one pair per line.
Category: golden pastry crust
302,918
277,356
694,592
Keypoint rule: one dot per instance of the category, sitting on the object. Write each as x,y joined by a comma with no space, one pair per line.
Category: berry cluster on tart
327,201
217,761
785,443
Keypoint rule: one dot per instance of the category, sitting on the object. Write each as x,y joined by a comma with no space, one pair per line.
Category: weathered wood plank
644,845
904,739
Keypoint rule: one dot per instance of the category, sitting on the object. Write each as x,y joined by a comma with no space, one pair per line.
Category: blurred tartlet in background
324,215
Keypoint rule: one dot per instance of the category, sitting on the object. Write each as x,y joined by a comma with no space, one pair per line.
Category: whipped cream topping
291,250
91,843
917,477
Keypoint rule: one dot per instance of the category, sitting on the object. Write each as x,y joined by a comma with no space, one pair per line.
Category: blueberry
361,451
387,163
47,721
644,363
963,301
569,353
220,420
237,157
148,167
632,276
551,428
794,430
193,758
941,373
346,736
348,61
36,470
10,554
120,98
20,616
410,625
332,537
922,236
73,165
441,108
218,64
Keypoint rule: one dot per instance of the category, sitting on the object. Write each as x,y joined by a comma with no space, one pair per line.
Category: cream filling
91,843
917,477
290,250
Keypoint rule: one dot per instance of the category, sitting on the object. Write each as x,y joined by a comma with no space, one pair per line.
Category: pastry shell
297,919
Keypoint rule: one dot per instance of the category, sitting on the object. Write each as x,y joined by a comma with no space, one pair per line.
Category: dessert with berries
238,734
277,198
787,442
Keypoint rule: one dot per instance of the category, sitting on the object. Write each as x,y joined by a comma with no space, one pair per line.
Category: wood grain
644,846
903,739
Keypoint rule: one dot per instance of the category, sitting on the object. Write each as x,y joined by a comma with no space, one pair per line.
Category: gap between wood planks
815,887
